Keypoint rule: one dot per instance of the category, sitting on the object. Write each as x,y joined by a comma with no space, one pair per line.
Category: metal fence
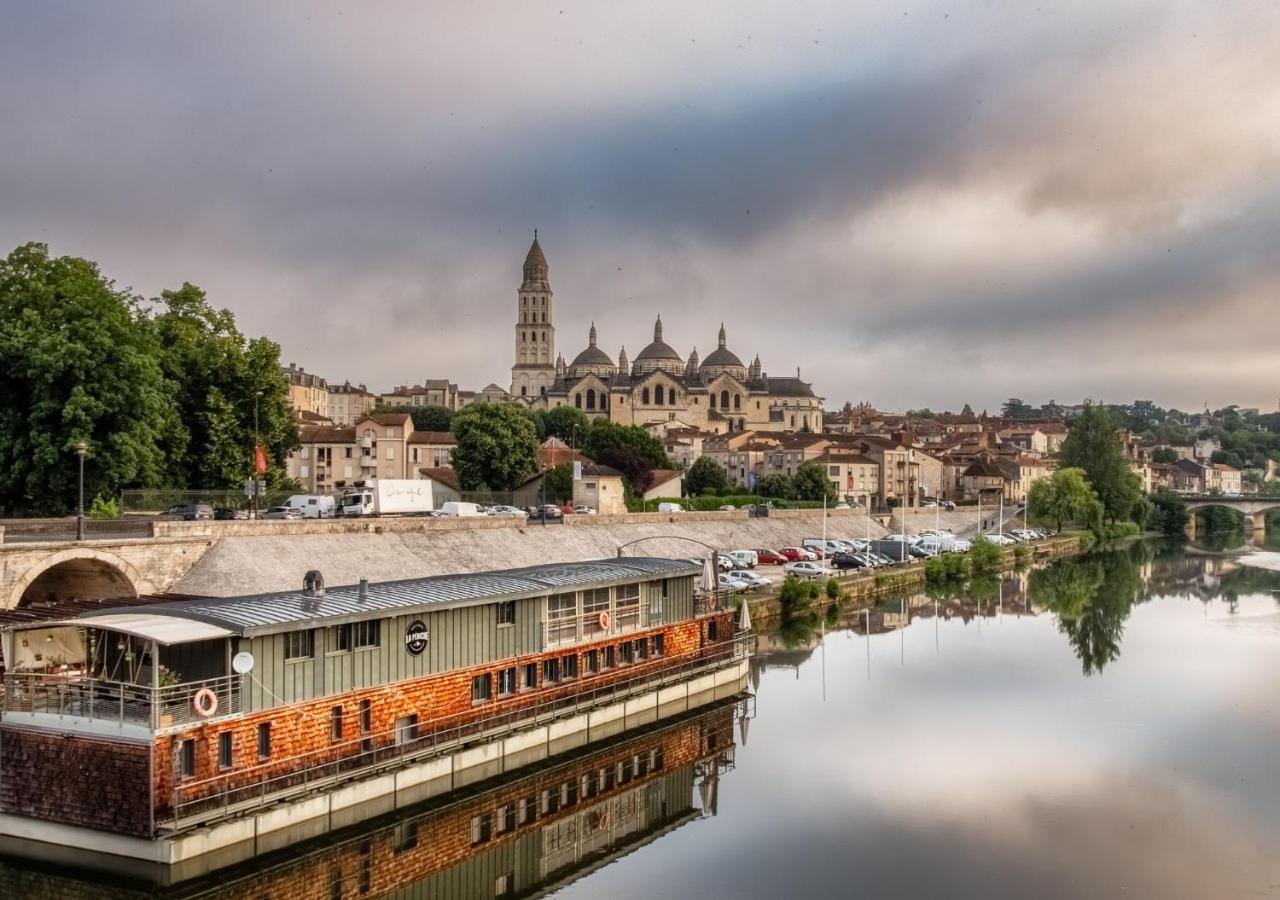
73,696
31,531
156,502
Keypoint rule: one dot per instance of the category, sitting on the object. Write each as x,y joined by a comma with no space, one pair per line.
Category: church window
544,334
793,421
724,399
657,395
671,397
544,319
644,396
523,390
577,401
713,400
737,401
523,336
591,398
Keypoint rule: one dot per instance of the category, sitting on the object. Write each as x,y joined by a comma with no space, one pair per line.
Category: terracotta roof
326,434
444,475
661,476
389,418
595,470
432,437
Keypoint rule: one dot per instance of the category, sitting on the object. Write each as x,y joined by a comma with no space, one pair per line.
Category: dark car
189,512
227,514
844,560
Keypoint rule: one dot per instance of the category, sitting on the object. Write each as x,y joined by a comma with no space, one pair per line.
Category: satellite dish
242,663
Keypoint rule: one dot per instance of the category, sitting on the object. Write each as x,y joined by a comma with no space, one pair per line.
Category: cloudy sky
915,203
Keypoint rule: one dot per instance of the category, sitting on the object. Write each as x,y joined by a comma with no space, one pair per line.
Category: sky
916,204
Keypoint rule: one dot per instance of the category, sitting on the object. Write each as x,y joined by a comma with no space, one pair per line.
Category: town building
349,403
307,392
659,385
332,458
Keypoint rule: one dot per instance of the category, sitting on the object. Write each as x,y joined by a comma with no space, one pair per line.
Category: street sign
255,488
577,470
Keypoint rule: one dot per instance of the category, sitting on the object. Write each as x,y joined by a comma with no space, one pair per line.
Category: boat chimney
313,583
364,589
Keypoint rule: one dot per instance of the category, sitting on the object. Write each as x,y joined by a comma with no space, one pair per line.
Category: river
1105,726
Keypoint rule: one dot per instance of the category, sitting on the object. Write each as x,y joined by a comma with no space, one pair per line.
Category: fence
153,502
72,695
31,531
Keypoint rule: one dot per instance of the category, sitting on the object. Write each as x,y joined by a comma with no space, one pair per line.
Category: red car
794,554
770,558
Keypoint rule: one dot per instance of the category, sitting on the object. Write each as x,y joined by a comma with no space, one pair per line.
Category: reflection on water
1100,727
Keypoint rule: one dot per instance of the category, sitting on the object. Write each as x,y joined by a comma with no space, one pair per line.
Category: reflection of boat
516,835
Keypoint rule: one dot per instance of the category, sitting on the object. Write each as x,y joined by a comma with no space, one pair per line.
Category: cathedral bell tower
534,369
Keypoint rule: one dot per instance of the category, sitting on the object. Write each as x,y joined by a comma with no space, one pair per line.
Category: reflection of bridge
1254,508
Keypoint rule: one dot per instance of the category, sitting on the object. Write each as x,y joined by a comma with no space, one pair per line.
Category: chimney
313,583
363,589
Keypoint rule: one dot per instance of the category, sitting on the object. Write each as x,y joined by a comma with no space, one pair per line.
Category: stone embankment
249,557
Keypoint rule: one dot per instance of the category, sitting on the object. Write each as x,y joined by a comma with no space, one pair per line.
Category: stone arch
82,572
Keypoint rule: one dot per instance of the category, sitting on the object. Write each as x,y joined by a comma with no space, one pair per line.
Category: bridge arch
81,573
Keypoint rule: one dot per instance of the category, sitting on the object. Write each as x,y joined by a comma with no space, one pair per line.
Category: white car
506,512
751,578
724,563
282,512
806,569
733,584
583,510
1000,540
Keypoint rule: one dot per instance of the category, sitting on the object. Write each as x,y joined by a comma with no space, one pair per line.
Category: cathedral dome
723,360
591,361
659,355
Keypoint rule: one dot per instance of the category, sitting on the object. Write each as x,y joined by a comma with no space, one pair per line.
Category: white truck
389,497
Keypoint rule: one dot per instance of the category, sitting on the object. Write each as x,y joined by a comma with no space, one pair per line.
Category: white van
670,508
313,506
746,559
457,508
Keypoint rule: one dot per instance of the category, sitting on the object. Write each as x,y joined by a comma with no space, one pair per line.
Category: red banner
260,460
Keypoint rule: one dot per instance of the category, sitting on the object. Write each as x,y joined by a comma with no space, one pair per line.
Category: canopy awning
162,629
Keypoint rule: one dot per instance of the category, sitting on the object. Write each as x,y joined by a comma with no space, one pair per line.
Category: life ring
205,703
603,619
711,601
604,821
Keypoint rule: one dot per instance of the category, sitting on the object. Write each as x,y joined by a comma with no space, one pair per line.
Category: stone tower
534,369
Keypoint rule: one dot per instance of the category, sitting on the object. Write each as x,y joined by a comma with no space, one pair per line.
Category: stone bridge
1254,508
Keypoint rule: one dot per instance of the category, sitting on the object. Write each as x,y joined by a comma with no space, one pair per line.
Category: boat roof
256,614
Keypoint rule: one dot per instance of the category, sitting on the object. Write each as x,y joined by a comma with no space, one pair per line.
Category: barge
195,734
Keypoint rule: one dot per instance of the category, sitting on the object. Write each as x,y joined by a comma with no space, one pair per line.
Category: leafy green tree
1094,446
811,482
1014,408
1065,496
497,447
705,476
568,423
78,362
984,555
924,413
1164,455
217,376
781,487
1227,458
1169,513
557,483
629,449
425,418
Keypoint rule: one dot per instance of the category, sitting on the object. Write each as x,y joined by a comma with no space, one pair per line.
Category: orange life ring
205,703
603,619
604,821
711,601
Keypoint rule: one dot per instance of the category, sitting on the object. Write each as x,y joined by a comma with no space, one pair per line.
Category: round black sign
415,637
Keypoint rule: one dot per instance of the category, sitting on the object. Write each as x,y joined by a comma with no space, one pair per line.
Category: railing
31,531
76,697
199,802
579,629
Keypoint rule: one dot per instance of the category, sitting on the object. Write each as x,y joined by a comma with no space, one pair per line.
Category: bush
1168,513
796,595
984,555
949,567
1087,541
1021,553
1117,530
104,508
834,591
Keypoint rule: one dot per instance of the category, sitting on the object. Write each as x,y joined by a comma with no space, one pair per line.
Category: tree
811,482
557,483
984,555
497,447
78,362
217,376
705,476
568,423
629,449
1093,445
781,487
1164,455
1065,496
1014,408
425,418
1169,513
1227,458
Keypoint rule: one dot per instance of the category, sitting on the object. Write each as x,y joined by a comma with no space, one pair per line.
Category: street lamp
81,449
253,468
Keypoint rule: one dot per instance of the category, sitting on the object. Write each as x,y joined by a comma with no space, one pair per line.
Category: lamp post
81,449
253,469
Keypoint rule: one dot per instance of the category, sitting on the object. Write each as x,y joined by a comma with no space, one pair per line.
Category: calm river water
1107,726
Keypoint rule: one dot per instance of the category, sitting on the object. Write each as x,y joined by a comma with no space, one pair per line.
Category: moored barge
236,726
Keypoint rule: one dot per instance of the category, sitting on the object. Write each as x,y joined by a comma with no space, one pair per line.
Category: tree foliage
811,482
1065,496
780,487
568,423
1094,446
1164,455
557,483
629,449
425,418
984,555
705,476
497,447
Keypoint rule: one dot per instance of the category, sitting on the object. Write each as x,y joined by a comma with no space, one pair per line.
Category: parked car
841,506
999,539
949,505
190,512
733,584
770,558
313,506
227,514
806,569
583,510
797,554
282,512
506,512
670,508
750,578
728,507
848,561
745,559
724,563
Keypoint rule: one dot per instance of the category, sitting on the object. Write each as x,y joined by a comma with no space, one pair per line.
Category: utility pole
81,449
253,469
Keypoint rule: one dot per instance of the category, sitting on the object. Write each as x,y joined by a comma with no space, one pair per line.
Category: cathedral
718,393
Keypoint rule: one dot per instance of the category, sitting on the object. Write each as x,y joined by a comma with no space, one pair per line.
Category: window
591,398
506,681
627,606
550,670
724,399
644,396
608,662
712,631
833,470
657,599
627,652
391,453
504,885
507,613
526,811
481,829
305,471
737,401
264,740
577,400
569,666
366,715
187,758
641,648
300,644
658,396
529,676
346,453
506,818
406,729
562,612
360,635
406,836
591,662
335,723
658,645
713,400
226,755
594,603
481,688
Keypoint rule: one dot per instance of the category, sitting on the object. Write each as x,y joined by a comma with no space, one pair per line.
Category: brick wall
75,780
305,729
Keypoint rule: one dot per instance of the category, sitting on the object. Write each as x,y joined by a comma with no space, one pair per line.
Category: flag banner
260,460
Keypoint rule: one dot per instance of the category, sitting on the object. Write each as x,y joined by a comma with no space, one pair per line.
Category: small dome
659,349
722,359
593,360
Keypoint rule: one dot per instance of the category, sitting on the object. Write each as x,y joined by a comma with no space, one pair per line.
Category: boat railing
72,695
598,625
198,802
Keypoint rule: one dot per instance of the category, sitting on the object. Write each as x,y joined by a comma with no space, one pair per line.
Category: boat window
300,644
481,688
507,613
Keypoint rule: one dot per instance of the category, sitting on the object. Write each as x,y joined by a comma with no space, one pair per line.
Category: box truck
389,497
